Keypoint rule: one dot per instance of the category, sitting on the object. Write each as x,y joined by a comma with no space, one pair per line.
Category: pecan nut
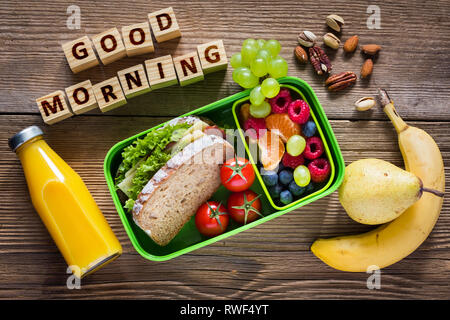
340,81
319,60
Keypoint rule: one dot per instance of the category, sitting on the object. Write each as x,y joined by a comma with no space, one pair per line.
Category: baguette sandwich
168,174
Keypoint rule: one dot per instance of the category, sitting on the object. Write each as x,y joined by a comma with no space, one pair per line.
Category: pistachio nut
307,39
335,22
365,103
331,40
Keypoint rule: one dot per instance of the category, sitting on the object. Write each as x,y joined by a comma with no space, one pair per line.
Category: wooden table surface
269,261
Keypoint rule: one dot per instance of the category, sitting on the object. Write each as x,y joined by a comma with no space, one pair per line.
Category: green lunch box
224,113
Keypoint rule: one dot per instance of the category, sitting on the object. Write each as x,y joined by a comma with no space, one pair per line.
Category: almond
371,49
366,69
301,54
351,44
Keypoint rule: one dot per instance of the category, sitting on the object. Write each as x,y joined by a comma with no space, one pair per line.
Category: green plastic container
222,113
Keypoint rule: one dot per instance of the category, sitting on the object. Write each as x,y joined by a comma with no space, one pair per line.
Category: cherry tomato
214,130
211,219
244,206
237,174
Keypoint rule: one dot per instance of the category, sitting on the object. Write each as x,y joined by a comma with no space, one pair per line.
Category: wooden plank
245,266
415,75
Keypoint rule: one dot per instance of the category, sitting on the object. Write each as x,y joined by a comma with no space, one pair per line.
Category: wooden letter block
161,72
134,81
81,97
109,46
79,54
137,39
188,68
212,56
164,25
109,94
53,107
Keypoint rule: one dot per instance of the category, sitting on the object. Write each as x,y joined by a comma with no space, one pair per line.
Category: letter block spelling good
137,39
53,107
81,97
164,25
79,54
161,72
109,94
212,56
109,46
188,68
134,81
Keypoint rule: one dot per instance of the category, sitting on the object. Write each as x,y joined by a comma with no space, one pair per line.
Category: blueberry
270,178
285,177
295,189
309,129
309,188
286,197
281,167
275,190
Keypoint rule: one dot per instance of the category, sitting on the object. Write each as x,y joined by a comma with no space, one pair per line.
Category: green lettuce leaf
150,149
141,148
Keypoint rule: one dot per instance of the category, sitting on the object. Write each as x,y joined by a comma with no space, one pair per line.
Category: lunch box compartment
221,112
296,94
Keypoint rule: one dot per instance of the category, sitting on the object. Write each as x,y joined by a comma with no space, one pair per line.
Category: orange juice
65,205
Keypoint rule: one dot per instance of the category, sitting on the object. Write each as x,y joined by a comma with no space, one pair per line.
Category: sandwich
167,175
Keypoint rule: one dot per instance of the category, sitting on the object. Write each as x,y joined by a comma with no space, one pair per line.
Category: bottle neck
27,144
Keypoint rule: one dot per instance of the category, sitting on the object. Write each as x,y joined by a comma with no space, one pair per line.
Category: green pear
376,191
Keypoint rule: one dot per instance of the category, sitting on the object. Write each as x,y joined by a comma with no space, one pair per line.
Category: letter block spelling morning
161,72
134,81
164,25
53,107
212,56
188,68
81,97
79,54
109,46
109,94
137,39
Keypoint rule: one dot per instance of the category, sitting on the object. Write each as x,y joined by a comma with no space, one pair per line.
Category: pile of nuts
321,63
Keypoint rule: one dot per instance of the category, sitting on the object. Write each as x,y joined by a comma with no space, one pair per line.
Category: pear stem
433,191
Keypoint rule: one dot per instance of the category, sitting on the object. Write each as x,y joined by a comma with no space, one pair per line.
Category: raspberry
255,127
298,111
281,101
319,169
314,148
291,161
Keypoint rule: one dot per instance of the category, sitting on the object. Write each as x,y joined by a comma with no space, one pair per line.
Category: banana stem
433,191
389,109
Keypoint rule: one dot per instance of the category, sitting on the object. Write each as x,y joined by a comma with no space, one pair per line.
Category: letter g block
79,54
212,56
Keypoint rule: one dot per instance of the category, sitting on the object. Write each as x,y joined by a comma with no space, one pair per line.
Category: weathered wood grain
269,261
412,65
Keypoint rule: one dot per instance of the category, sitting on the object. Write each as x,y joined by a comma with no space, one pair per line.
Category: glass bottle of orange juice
65,205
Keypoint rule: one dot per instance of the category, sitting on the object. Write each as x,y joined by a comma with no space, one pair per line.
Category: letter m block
53,107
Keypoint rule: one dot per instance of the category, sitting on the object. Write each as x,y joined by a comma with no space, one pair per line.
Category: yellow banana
391,242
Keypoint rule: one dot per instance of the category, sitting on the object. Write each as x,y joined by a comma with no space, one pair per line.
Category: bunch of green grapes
257,59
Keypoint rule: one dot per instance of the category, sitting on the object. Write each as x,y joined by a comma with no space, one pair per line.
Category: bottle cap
23,136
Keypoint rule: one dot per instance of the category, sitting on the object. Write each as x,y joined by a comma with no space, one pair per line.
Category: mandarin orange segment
281,123
244,113
271,150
